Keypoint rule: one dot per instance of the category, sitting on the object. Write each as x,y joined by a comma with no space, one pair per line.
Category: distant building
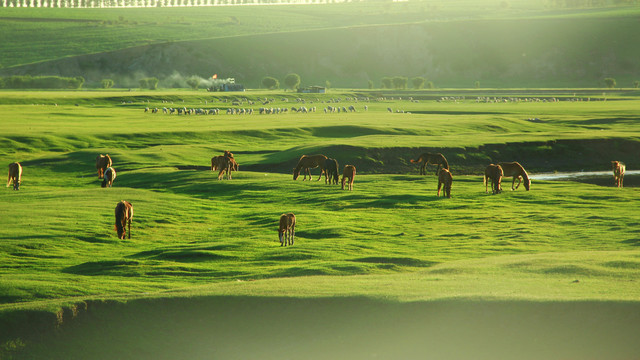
313,89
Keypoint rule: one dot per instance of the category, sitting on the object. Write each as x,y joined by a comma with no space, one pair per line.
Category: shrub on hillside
40,82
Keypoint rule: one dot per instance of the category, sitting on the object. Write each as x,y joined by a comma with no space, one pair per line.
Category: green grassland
391,240
453,44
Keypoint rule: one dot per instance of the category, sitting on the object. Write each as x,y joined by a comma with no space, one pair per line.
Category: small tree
292,81
370,84
477,84
610,82
327,84
430,85
270,82
193,82
387,83
400,82
152,83
418,82
107,83
143,83
636,84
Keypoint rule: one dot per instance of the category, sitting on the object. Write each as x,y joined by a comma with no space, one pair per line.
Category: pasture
389,243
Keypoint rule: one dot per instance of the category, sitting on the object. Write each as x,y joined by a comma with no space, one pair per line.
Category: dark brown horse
286,230
349,173
124,214
307,162
618,172
517,171
493,173
433,159
109,177
15,175
102,163
445,178
331,171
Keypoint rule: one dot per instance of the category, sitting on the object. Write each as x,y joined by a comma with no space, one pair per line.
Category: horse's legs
293,233
439,185
423,168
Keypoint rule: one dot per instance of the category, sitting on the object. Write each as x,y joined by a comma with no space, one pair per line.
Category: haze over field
451,44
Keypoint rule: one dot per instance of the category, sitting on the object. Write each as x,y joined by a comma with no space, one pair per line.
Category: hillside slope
567,52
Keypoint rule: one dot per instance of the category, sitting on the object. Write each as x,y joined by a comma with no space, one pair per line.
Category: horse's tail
9,179
445,163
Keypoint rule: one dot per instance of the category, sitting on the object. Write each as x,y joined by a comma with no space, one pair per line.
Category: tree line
41,82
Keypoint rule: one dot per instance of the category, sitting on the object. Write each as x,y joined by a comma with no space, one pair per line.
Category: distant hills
567,51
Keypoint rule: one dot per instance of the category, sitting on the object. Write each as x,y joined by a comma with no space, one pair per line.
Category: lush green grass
391,238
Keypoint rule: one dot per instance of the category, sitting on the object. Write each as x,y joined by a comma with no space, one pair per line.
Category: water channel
577,174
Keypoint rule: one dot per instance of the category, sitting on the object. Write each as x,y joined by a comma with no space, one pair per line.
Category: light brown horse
493,173
124,214
445,178
517,171
102,163
618,172
307,162
109,177
227,165
433,159
349,172
224,163
15,175
287,229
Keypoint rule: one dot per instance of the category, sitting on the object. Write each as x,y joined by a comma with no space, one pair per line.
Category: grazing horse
445,178
517,171
349,172
102,163
109,177
618,172
331,171
494,173
15,175
307,162
433,159
286,231
124,214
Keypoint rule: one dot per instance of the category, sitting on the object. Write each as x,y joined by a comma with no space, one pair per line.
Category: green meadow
391,242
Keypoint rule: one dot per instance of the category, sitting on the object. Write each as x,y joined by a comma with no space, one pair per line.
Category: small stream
577,174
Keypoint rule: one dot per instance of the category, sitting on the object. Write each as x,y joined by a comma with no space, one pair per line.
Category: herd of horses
493,174
328,168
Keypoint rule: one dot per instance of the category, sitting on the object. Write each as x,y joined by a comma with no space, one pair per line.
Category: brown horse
109,177
517,171
331,171
445,178
349,172
15,175
286,231
224,163
307,162
493,173
618,172
227,165
433,159
124,214
102,163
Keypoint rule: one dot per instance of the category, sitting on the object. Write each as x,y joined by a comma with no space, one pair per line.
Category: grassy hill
345,44
378,266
